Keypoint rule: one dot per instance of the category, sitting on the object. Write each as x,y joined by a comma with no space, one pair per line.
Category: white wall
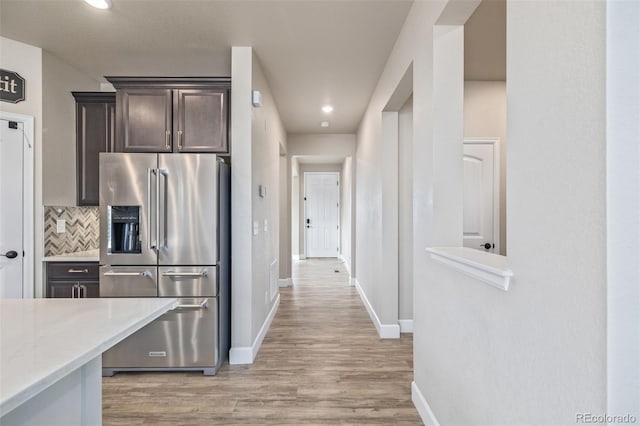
59,129
267,134
324,144
623,208
405,211
257,134
556,193
26,60
485,114
284,195
413,46
295,208
346,214
480,354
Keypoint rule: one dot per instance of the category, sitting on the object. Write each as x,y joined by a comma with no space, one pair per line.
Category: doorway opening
485,117
481,194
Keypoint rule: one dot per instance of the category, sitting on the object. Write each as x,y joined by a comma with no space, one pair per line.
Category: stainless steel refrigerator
165,232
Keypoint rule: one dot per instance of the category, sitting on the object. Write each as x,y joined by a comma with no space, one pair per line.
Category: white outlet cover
266,225
256,227
61,226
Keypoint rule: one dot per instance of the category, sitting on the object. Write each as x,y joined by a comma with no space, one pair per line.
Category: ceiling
312,52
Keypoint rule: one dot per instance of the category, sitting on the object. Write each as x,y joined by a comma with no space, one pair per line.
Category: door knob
10,254
487,246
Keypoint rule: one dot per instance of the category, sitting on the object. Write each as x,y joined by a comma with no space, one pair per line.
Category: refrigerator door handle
127,274
151,244
161,228
203,274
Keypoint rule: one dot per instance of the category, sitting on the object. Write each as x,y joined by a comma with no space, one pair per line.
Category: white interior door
322,218
481,196
11,209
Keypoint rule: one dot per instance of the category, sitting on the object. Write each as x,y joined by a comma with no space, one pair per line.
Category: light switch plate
266,225
61,226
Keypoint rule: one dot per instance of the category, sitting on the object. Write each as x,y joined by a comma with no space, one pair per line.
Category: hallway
320,363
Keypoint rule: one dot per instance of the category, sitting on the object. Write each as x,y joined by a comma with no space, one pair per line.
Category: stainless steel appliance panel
128,281
183,338
188,209
187,281
128,180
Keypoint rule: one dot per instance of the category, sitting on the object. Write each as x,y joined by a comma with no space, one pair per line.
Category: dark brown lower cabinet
75,280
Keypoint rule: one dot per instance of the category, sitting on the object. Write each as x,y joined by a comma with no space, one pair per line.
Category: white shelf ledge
489,268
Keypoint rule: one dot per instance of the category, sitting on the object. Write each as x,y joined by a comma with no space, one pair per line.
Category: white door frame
304,220
496,183
28,204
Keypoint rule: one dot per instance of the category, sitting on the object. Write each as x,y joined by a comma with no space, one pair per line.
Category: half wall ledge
489,268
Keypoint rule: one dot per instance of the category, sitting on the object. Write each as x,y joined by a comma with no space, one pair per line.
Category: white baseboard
406,326
347,265
296,257
426,414
302,256
385,331
247,354
352,281
285,282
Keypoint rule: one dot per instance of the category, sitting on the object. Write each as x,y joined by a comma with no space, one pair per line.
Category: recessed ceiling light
324,124
100,4
327,108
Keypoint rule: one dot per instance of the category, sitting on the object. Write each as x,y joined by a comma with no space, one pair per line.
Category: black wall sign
11,87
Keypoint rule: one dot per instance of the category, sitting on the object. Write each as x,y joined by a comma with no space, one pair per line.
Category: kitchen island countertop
44,340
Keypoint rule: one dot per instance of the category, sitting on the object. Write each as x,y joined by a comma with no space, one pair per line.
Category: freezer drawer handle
203,274
203,305
128,274
77,271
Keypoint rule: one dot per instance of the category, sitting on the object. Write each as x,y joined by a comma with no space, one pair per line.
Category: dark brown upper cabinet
201,118
95,133
172,114
144,120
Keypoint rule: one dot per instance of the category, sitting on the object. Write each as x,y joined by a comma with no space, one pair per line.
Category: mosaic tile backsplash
82,230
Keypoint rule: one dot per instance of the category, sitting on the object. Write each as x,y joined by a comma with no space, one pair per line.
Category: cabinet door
89,289
95,121
201,120
144,120
62,289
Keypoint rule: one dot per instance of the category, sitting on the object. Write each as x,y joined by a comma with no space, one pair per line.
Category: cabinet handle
77,271
203,305
180,140
128,274
73,291
167,139
202,274
83,291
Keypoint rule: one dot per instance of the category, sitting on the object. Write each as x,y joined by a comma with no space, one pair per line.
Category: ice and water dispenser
124,229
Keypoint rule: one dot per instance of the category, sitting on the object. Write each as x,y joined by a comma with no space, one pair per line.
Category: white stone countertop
43,340
79,256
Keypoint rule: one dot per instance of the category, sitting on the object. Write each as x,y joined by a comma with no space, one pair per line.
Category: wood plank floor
321,363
